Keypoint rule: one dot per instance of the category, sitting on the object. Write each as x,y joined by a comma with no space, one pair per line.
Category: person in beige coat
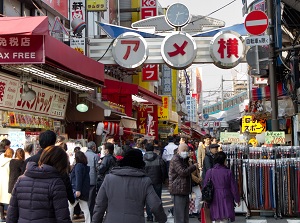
203,148
4,173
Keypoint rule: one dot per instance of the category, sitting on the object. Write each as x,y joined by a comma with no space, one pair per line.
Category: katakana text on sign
253,126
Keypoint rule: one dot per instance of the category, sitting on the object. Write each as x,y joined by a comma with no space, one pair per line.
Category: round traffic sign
256,22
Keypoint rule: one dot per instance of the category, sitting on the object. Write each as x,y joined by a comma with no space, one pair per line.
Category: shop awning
31,25
118,87
61,58
128,122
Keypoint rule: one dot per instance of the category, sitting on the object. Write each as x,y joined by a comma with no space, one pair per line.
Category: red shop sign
22,49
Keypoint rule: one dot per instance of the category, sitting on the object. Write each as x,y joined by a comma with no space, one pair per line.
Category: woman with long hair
39,195
80,180
16,168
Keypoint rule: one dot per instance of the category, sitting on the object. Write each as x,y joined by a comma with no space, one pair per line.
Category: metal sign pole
272,67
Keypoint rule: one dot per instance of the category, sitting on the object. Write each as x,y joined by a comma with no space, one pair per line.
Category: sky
231,15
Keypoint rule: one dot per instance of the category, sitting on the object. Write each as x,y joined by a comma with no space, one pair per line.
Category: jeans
158,190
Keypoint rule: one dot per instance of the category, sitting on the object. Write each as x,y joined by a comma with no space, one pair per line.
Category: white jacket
4,173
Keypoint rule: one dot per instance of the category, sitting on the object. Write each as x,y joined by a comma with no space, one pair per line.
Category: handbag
205,214
208,191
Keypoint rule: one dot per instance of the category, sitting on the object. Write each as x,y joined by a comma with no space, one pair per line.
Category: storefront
139,103
41,78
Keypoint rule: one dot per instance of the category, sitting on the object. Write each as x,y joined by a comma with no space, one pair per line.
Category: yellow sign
253,126
96,5
163,111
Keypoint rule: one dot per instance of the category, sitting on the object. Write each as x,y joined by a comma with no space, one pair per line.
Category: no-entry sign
256,22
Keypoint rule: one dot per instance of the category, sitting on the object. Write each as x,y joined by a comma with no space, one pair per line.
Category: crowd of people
113,183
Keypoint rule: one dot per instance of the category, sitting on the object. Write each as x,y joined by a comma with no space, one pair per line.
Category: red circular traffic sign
256,22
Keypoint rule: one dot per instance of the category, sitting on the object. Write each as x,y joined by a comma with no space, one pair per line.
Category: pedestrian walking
46,139
39,194
208,162
16,166
80,180
203,148
106,163
155,169
125,191
4,173
180,183
225,191
92,162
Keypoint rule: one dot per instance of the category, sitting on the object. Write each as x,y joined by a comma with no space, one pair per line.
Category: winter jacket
93,159
123,195
108,162
65,177
180,176
225,193
80,180
207,164
4,173
155,167
15,170
39,196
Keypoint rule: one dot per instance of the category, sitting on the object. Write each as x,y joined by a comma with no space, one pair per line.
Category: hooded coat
225,193
39,196
123,195
4,173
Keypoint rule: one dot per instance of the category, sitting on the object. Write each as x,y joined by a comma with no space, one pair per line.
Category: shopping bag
192,205
205,214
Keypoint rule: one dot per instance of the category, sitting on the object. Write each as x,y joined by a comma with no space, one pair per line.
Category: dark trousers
92,199
158,190
181,208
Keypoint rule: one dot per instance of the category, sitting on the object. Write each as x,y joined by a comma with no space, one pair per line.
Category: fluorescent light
54,78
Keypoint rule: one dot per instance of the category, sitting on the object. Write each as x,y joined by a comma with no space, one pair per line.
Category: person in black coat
39,194
155,168
46,139
208,161
16,168
106,163
80,179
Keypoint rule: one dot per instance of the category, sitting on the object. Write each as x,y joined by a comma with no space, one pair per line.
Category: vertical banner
148,120
163,111
77,11
166,80
150,72
187,83
149,9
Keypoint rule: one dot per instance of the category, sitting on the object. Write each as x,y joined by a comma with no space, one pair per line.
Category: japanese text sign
150,72
130,50
147,120
275,137
22,49
253,126
229,137
163,111
148,8
227,49
96,5
77,11
179,50
166,80
47,102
